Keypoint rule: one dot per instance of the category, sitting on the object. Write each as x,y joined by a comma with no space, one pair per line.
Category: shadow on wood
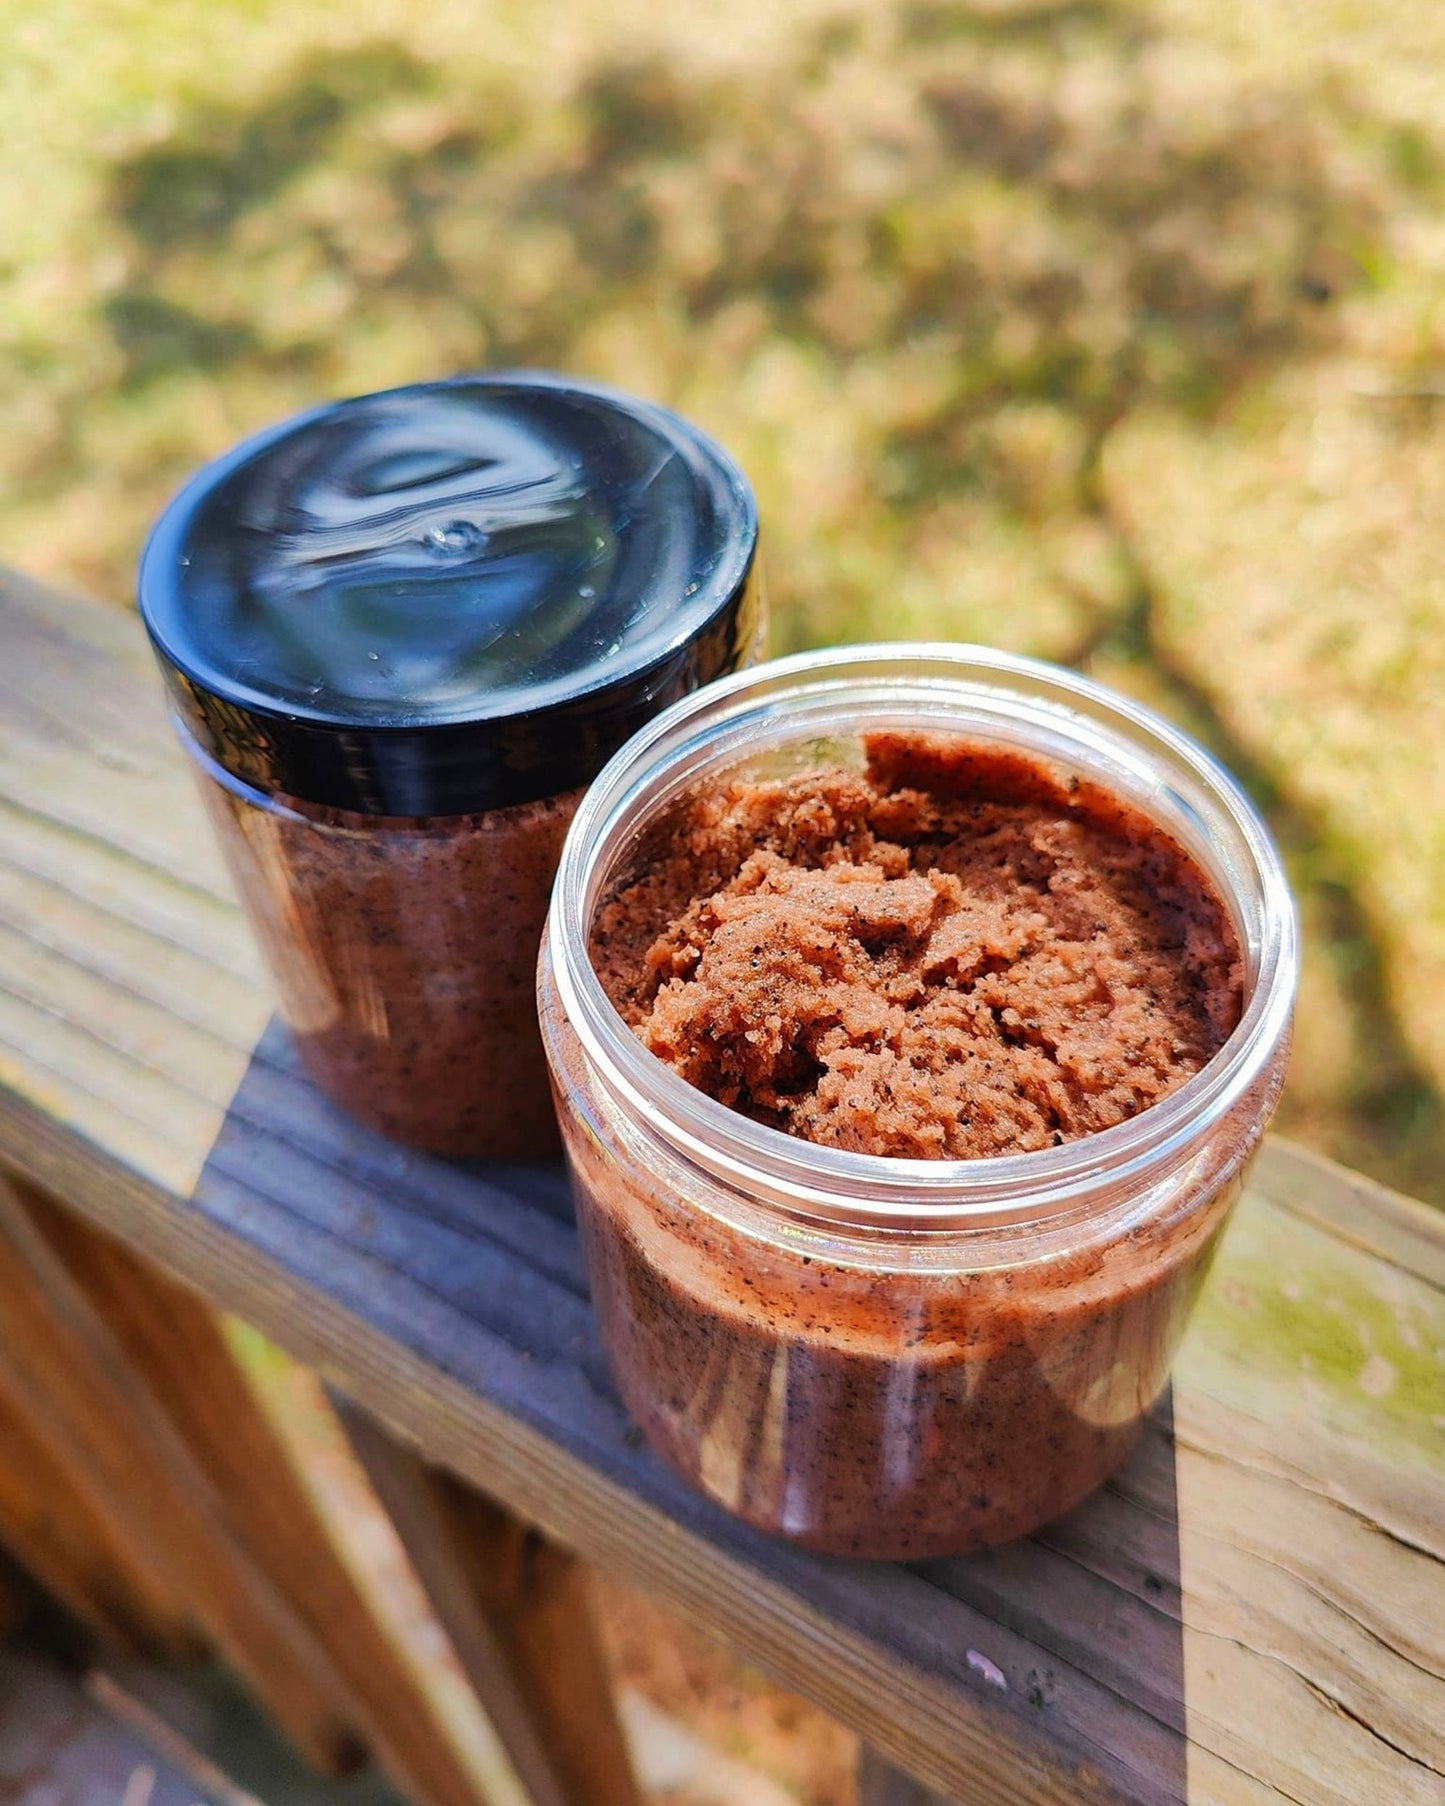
62,1535
484,1263
58,1746
880,1784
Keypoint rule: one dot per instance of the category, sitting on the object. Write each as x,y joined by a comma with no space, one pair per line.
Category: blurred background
1107,330
1111,331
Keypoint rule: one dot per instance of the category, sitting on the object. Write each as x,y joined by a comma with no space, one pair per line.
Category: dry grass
1102,329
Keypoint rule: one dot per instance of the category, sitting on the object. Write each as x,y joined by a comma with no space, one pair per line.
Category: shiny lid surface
449,597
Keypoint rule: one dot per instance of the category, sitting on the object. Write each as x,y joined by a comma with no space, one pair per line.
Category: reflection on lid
448,553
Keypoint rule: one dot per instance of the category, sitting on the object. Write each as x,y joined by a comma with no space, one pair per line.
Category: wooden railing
1253,1611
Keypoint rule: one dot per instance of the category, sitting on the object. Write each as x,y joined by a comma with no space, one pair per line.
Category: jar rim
809,1180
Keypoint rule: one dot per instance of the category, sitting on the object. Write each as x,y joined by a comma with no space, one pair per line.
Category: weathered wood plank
91,1016
516,1611
1074,1612
1354,1210
63,1368
1173,1640
175,1344
66,1543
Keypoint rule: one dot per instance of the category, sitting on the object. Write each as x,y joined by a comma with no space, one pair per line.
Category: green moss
1286,1305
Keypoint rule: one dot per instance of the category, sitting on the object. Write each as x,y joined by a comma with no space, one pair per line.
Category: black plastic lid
452,597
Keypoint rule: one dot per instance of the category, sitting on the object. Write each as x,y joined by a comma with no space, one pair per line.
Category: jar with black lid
401,634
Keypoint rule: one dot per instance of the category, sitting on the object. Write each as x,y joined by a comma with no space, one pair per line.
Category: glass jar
900,1358
401,634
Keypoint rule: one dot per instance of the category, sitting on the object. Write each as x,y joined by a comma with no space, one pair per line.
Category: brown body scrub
406,952
872,1406
952,954
942,952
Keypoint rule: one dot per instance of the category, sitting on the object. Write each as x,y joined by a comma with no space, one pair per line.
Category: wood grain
129,999
1252,1610
72,1547
174,1343
63,1368
517,1613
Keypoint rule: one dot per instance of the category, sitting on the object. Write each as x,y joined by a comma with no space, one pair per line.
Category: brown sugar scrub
406,953
400,635
850,1284
950,955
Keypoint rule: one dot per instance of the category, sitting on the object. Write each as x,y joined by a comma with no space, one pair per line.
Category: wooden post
66,1369
517,1611
68,1544
177,1345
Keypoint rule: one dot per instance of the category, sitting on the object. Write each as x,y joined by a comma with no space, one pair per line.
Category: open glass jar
401,634
886,1357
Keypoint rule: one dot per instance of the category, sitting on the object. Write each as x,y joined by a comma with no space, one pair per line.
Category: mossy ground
1109,330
